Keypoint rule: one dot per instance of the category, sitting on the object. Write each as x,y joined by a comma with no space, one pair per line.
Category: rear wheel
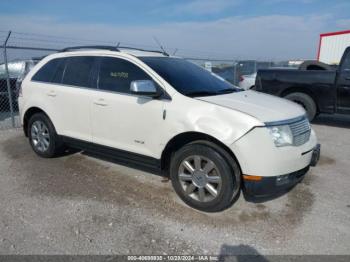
203,178
43,137
306,102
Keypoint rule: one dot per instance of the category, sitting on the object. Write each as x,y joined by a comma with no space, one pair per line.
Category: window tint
346,63
57,77
188,78
116,74
78,69
47,72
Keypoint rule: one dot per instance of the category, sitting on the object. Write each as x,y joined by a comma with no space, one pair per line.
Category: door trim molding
118,156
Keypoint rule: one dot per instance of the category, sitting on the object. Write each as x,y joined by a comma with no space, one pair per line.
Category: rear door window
78,71
116,74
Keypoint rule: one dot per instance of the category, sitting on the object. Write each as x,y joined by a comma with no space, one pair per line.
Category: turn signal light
252,178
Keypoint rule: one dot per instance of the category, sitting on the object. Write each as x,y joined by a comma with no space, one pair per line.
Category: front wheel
203,178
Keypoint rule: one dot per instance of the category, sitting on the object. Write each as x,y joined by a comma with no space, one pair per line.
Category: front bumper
258,156
269,186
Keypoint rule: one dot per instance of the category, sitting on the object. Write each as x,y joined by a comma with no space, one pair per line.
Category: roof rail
143,50
111,48
104,47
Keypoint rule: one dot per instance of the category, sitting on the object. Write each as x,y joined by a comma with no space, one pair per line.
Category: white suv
163,114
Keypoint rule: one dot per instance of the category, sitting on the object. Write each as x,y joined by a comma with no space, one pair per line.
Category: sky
224,29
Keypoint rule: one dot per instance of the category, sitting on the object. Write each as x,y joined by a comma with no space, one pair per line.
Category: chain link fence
16,60
8,105
21,51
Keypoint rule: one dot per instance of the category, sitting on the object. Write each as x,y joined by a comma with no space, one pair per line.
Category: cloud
201,7
263,37
343,23
292,1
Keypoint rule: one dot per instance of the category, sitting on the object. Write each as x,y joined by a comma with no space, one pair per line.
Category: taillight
241,78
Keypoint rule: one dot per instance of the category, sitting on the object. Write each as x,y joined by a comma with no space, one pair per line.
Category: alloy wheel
200,178
40,136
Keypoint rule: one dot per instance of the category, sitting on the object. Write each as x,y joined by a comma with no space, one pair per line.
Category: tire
227,186
305,101
41,129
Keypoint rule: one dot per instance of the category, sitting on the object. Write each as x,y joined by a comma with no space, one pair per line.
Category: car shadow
332,120
240,253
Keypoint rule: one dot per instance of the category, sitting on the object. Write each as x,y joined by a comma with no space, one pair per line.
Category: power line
181,50
61,37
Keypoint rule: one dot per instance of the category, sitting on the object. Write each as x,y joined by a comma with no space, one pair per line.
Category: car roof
138,52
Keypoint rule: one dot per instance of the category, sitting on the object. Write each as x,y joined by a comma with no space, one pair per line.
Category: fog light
281,180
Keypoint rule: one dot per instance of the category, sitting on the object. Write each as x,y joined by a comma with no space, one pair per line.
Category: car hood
264,107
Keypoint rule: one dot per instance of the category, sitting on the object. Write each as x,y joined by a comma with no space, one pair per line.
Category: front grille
301,131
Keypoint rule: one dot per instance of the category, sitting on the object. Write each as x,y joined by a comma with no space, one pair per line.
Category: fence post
235,73
255,66
8,80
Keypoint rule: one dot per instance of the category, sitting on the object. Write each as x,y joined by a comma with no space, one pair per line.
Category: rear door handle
51,93
100,102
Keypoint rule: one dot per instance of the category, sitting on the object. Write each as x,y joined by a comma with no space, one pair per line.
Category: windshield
188,78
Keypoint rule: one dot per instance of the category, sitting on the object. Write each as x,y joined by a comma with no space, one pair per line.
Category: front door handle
347,78
51,93
100,102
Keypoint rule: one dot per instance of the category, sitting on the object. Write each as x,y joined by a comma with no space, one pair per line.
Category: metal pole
235,73
8,80
255,66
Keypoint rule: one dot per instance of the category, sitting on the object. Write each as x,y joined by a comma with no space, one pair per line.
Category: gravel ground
77,204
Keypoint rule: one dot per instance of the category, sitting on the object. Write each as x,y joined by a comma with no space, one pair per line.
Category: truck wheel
43,137
305,101
203,178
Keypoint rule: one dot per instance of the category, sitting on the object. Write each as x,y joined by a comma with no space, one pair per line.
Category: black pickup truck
318,91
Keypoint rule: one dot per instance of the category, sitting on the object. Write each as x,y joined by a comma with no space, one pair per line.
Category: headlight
281,135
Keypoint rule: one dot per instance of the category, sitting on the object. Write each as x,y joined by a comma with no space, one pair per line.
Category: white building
332,45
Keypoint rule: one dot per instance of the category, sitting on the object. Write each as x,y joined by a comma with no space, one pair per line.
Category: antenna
160,45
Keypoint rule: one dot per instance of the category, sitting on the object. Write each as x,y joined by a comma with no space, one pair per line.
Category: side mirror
144,88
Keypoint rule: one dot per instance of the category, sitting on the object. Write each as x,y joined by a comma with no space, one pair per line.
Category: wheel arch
182,139
28,114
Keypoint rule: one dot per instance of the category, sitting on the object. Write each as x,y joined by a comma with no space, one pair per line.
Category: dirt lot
80,205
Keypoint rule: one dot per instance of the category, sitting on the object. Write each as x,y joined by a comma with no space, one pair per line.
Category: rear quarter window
346,63
48,71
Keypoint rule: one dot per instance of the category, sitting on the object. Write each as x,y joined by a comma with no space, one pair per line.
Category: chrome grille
301,131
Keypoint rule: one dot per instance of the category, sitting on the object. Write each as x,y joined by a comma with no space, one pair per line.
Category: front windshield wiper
200,93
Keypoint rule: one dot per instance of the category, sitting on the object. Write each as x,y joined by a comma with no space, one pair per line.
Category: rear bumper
269,186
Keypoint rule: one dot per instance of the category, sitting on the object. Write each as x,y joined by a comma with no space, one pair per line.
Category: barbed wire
46,38
59,42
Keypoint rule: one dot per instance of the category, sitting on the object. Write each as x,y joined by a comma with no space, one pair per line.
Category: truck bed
319,84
